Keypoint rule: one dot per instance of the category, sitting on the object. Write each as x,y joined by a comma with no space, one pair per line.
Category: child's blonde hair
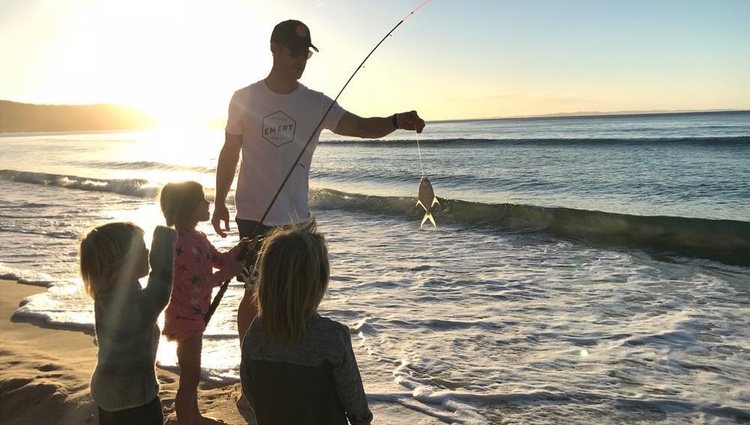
179,199
104,251
292,279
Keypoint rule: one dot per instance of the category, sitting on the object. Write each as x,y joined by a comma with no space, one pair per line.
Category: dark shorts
251,229
148,414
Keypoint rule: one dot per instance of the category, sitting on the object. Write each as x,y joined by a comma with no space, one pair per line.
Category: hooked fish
427,199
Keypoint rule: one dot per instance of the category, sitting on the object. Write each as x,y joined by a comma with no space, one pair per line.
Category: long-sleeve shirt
194,278
314,380
127,333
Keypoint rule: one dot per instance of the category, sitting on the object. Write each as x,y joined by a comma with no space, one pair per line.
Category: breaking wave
131,187
727,241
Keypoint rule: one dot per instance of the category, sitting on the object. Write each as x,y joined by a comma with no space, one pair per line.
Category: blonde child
184,205
298,367
112,259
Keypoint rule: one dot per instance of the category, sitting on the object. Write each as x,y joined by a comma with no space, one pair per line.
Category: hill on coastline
23,117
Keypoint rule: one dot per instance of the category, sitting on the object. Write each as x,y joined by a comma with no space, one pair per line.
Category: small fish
426,199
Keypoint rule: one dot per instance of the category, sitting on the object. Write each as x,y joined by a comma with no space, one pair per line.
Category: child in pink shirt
184,205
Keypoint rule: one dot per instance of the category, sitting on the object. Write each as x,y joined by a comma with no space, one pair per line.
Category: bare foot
206,420
243,405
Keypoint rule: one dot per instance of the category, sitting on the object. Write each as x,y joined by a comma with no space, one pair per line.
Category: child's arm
161,258
227,263
221,259
349,386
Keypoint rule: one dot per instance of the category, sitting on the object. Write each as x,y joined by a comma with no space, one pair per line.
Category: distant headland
24,117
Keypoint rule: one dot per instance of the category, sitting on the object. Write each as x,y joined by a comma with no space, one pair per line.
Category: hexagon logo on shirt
279,128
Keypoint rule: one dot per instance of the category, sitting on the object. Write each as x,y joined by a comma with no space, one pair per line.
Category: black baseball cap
292,34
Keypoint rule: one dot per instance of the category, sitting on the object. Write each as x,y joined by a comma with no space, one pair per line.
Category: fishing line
419,151
225,285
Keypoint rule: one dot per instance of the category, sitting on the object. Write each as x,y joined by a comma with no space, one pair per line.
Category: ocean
583,269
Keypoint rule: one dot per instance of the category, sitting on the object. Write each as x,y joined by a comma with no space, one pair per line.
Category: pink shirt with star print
194,279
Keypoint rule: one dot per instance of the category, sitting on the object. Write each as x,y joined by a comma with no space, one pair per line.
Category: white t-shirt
274,129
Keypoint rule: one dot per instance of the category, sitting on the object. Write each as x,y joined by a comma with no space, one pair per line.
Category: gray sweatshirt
315,380
127,333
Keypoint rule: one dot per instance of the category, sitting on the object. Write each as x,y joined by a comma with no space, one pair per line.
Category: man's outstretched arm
376,127
227,166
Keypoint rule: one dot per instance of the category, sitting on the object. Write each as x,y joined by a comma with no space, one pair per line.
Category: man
269,123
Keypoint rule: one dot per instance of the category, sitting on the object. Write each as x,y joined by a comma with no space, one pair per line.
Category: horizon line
581,114
584,114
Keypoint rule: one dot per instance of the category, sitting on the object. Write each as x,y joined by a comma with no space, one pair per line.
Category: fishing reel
248,254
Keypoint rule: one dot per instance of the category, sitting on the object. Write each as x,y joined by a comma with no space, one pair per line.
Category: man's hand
410,121
221,213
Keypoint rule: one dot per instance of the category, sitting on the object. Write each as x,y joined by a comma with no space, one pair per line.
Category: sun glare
177,61
147,217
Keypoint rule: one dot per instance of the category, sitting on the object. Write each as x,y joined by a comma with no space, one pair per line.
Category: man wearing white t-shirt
270,122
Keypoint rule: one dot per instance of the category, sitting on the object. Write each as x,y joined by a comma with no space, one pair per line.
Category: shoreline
45,373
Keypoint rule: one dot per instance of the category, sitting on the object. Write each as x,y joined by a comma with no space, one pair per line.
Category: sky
181,60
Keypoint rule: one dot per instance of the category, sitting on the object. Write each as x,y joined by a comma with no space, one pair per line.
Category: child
184,206
113,258
298,367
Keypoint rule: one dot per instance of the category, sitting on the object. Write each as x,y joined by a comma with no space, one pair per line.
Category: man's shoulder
254,87
303,89
259,88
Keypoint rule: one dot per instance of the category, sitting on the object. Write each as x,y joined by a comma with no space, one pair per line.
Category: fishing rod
225,285
320,123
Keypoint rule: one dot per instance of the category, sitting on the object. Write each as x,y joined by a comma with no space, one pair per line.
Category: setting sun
179,62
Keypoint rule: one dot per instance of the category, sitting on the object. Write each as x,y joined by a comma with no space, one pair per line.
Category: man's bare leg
246,312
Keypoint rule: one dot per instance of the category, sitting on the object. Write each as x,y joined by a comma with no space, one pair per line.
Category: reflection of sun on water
147,217
167,354
185,153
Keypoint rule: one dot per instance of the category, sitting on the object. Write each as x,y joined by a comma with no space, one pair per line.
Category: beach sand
44,376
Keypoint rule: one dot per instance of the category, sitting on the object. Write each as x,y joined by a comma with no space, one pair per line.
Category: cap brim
298,45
